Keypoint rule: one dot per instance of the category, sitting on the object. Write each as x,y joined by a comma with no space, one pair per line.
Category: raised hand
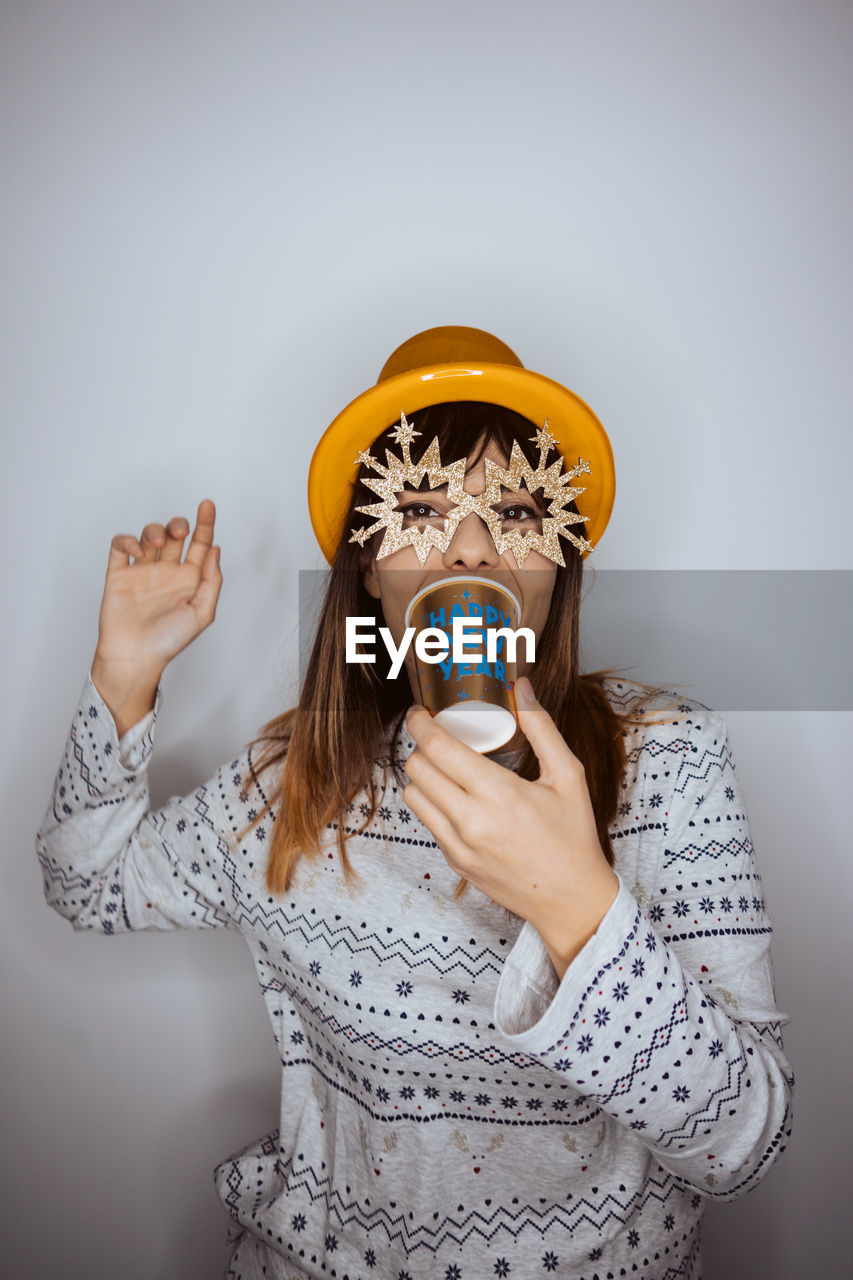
530,846
154,605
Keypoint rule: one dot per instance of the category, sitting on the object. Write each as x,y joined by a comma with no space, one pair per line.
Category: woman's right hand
152,609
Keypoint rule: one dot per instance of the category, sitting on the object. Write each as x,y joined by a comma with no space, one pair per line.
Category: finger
207,594
122,547
153,538
438,788
552,750
202,539
446,836
176,532
456,760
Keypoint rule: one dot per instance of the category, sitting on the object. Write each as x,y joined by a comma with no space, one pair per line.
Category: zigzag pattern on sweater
57,873
774,1148
713,849
655,747
78,749
690,770
771,1031
213,914
504,1220
399,1046
636,925
82,768
642,1058
277,921
731,1091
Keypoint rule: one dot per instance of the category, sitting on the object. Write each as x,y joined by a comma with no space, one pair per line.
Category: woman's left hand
532,847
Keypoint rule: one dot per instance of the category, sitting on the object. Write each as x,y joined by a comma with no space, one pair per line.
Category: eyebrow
506,495
424,487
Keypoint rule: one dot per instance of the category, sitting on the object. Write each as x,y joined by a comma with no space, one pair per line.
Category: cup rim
461,577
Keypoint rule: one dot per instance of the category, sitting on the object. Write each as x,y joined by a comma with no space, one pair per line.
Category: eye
520,513
418,513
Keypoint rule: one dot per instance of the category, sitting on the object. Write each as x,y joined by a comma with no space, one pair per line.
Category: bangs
464,429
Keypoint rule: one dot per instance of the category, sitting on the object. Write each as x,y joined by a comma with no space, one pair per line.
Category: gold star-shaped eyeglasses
401,473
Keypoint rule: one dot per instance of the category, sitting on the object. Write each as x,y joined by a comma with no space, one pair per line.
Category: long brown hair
349,713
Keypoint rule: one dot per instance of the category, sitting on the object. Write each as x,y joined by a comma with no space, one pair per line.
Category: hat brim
578,432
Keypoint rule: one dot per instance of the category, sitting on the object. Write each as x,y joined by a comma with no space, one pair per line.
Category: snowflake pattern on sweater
450,1110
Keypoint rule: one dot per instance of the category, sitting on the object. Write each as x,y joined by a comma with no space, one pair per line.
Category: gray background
218,221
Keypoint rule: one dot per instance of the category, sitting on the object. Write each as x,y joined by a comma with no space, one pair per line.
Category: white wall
218,220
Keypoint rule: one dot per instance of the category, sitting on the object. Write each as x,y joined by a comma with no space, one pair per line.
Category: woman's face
397,577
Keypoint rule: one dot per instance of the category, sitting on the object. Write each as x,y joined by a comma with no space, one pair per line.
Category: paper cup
472,699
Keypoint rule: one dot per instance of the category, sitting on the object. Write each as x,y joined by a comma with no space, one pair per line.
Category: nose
471,547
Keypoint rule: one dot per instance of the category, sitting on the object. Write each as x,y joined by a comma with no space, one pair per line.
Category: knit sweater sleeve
111,864
667,1018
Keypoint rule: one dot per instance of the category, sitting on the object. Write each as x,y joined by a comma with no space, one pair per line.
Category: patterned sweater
449,1109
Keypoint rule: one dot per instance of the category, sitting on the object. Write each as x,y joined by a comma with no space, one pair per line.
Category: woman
523,1004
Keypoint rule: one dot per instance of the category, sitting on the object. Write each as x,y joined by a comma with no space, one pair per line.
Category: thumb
211,565
550,746
207,594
